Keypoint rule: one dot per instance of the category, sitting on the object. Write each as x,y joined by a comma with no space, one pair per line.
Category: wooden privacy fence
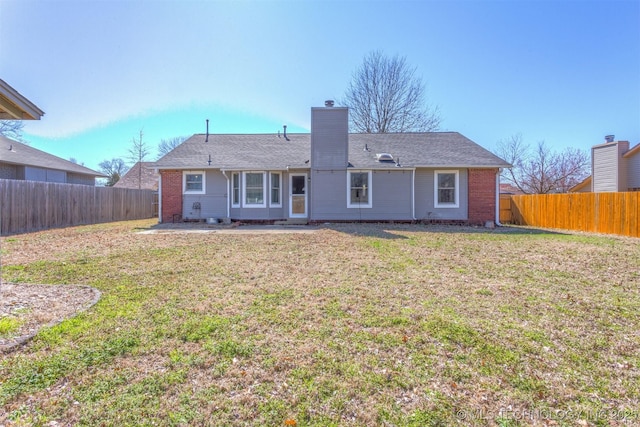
30,205
611,213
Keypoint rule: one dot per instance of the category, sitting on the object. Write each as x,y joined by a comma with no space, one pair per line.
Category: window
359,189
254,189
235,189
275,190
446,189
193,182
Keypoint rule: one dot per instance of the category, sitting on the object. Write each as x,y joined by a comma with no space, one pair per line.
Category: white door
298,195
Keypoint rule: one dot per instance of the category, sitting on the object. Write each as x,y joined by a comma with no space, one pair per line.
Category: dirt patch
35,306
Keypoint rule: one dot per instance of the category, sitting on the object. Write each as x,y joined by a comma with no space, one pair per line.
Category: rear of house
330,175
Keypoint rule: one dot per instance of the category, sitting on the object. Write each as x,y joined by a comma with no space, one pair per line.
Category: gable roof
142,172
273,152
17,153
14,106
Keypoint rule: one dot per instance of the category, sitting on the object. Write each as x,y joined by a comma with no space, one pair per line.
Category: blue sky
566,72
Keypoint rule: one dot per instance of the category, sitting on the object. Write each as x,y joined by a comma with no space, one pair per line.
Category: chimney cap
328,103
609,138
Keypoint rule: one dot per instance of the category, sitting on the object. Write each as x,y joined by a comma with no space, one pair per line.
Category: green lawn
351,325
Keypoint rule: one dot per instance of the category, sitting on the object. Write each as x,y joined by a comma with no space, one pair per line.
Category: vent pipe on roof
285,132
206,139
609,138
328,103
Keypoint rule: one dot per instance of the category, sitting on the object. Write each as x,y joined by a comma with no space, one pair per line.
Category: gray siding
213,204
329,138
609,169
424,194
8,171
633,171
391,196
74,178
47,175
605,165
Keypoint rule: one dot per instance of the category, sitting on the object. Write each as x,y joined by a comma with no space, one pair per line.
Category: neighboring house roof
509,189
274,152
17,153
14,106
140,176
585,183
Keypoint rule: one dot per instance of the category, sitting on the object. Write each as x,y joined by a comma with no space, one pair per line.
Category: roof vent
384,157
328,103
609,138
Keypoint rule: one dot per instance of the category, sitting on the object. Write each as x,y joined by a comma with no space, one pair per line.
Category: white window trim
236,204
275,205
370,189
184,182
264,190
457,189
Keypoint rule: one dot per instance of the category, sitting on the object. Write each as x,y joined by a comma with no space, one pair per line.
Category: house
141,176
614,166
23,162
330,175
510,189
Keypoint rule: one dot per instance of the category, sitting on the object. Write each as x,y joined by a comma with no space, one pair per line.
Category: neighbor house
141,176
23,162
330,175
615,167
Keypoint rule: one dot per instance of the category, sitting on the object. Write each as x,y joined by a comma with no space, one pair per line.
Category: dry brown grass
351,325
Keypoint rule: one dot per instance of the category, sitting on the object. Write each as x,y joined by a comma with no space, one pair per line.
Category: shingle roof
16,153
270,152
142,172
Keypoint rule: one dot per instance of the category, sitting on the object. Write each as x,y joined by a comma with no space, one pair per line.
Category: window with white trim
276,190
446,189
193,182
359,189
235,189
254,189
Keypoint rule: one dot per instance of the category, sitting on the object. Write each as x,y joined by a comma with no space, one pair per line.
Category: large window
193,182
446,189
276,190
235,189
254,189
359,189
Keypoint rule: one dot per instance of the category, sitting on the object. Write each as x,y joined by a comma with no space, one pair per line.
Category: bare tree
137,154
385,95
114,168
167,145
541,170
12,129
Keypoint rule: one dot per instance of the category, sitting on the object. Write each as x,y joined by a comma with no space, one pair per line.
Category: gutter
498,197
224,172
159,197
413,194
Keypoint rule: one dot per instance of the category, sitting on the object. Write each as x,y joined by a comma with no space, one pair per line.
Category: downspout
224,172
159,196
498,197
413,194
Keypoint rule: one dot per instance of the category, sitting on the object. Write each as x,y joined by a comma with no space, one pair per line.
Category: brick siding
171,195
482,195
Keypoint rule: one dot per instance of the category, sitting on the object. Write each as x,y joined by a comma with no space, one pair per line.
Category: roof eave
14,106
